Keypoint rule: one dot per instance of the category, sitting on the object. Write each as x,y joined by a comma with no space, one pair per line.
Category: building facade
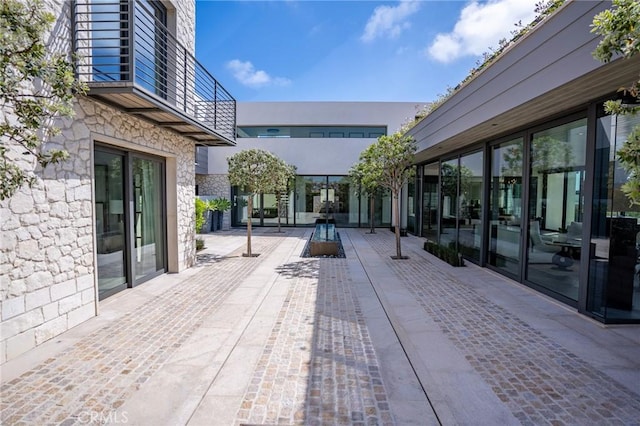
323,140
120,210
518,169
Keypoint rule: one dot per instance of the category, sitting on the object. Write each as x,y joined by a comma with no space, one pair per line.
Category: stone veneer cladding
218,186
47,247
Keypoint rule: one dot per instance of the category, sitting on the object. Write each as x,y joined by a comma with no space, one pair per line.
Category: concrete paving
364,340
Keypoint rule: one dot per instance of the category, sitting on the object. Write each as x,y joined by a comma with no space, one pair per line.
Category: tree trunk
372,208
396,213
250,214
278,197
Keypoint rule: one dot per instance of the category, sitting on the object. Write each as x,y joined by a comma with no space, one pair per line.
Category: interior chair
538,243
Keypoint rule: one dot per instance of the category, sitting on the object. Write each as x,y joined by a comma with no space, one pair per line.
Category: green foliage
620,31
257,171
251,170
199,244
387,163
36,85
448,254
219,204
281,177
543,9
201,209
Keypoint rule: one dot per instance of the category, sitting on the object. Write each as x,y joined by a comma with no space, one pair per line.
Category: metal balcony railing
129,58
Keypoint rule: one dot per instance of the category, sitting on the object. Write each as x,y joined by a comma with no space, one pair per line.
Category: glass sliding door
338,188
110,222
310,199
430,201
505,204
614,249
148,220
449,173
130,218
471,201
556,206
409,203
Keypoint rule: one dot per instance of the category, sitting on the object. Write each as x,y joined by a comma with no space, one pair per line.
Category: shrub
201,210
448,254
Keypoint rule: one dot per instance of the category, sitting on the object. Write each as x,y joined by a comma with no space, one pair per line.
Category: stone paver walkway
281,339
540,381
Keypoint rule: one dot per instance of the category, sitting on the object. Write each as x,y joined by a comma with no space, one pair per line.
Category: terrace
129,59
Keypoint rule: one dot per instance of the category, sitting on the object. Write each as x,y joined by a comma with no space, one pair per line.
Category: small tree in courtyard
388,161
36,86
620,31
281,175
251,169
367,178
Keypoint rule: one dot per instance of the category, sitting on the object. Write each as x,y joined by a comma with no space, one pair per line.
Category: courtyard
282,339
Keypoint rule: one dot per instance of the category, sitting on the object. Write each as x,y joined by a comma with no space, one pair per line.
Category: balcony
130,60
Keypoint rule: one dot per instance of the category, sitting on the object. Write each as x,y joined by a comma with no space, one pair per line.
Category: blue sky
303,50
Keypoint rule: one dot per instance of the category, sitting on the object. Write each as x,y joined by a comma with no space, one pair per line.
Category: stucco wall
323,156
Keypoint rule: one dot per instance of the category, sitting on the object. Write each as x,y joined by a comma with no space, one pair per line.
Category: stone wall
47,235
218,186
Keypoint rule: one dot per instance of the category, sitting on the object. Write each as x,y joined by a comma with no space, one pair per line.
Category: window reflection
505,204
556,205
614,284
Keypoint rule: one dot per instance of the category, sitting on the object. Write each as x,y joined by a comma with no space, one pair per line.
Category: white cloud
479,27
389,21
247,75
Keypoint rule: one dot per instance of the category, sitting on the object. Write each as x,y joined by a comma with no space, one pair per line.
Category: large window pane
556,205
148,218
505,202
450,202
338,201
310,199
110,222
614,284
430,204
471,189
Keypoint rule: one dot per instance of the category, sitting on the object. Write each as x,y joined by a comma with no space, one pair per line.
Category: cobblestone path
319,366
540,381
103,369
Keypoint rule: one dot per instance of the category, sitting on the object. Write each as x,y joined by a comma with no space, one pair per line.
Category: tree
251,169
281,177
367,179
36,86
388,161
620,33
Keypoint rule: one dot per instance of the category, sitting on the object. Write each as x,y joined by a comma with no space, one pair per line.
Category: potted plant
219,206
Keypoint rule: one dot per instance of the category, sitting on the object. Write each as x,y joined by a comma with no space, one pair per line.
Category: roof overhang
136,101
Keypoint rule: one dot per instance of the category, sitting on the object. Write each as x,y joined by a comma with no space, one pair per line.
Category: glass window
110,222
471,194
449,202
430,201
148,218
505,204
107,36
311,131
556,206
614,249
151,46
